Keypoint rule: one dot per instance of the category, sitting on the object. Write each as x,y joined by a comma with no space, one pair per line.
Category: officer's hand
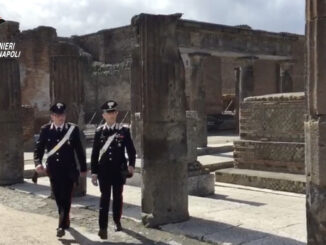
94,179
83,174
131,170
40,169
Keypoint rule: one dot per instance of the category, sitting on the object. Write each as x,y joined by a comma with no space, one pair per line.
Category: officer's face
110,117
58,119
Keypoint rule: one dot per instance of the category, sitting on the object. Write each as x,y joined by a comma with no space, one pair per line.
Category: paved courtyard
234,215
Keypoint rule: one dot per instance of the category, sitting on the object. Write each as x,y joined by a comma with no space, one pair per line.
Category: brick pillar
67,74
164,172
315,125
11,132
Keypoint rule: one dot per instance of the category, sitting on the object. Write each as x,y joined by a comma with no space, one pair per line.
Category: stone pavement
234,215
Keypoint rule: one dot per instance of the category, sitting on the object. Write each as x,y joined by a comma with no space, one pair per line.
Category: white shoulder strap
62,141
106,145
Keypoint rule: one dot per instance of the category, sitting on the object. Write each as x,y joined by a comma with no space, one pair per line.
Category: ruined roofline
39,28
115,29
206,26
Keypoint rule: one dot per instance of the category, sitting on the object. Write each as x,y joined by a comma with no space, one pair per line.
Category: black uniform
61,166
112,168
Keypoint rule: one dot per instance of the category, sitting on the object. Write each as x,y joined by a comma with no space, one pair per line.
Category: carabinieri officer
62,141
109,164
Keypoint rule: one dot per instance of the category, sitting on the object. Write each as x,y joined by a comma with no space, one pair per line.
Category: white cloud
72,17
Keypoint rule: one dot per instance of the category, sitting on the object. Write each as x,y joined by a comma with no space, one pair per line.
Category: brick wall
272,133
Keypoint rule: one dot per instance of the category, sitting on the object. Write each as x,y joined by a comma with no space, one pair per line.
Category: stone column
164,170
315,125
11,132
136,103
285,84
192,118
67,74
246,82
237,71
200,181
196,92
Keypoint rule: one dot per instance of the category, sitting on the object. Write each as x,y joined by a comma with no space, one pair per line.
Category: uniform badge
110,104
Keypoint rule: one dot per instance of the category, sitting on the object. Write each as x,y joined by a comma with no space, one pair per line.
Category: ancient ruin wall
108,81
34,69
272,133
109,46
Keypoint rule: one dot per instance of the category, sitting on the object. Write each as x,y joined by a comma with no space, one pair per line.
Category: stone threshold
263,179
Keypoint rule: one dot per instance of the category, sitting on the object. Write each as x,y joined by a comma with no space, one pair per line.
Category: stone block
201,185
316,151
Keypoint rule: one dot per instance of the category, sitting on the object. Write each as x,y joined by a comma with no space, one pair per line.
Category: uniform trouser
105,188
62,190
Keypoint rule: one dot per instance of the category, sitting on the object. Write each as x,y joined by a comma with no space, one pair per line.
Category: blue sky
73,17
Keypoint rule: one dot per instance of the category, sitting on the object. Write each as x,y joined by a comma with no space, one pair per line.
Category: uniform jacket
113,162
63,162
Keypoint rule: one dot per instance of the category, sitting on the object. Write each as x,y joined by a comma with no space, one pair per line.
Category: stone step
215,148
217,161
263,179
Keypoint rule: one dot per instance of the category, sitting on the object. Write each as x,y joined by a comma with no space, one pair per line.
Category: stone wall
272,133
108,81
109,46
34,69
28,127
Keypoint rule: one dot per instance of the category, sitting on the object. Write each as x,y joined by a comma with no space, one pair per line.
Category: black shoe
60,232
118,227
103,233
34,178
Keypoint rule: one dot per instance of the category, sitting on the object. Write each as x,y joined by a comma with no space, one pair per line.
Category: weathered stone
316,35
212,76
285,83
316,151
164,153
196,95
272,133
136,102
9,31
192,119
275,117
237,72
28,119
11,134
315,126
286,157
316,210
265,77
246,83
